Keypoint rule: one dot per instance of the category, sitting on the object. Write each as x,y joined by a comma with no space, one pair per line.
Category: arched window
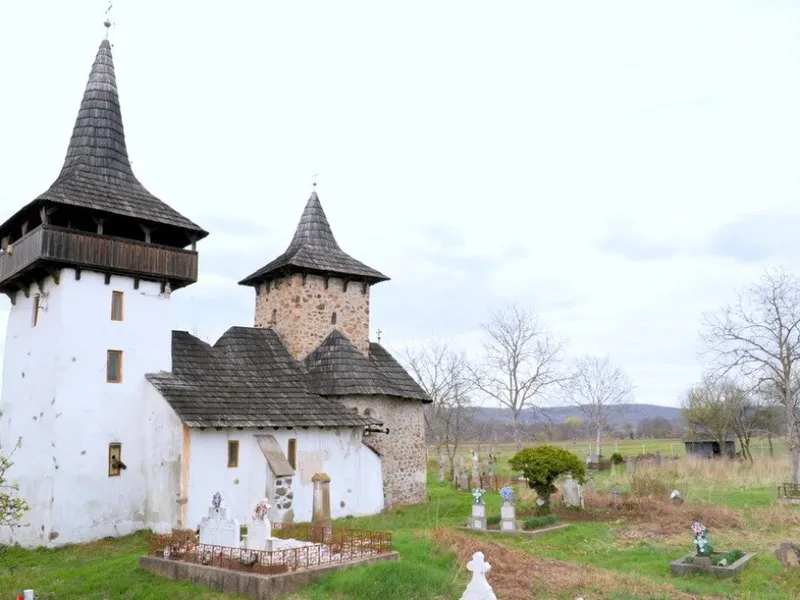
333,318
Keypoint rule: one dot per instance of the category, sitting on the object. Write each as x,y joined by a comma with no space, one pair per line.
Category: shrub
537,522
617,458
542,465
493,520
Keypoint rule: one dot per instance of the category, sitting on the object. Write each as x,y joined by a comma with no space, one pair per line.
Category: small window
233,454
116,306
35,310
274,315
114,459
292,452
114,366
333,319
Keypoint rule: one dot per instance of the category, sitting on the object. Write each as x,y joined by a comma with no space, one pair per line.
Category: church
127,425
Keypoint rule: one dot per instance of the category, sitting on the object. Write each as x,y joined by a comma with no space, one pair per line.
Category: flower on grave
700,532
261,509
477,494
723,562
506,493
216,501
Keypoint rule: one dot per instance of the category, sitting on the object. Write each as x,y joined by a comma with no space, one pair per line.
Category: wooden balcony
49,247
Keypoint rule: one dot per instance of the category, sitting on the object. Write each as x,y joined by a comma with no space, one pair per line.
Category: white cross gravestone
259,529
478,588
573,495
217,529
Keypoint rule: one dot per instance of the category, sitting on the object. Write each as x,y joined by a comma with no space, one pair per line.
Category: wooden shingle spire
97,173
314,249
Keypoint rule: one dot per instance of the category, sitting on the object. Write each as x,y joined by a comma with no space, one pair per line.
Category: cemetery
636,543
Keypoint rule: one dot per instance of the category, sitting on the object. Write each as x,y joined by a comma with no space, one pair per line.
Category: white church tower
89,266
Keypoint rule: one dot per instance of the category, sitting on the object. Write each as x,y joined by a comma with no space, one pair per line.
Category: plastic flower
506,493
478,493
261,509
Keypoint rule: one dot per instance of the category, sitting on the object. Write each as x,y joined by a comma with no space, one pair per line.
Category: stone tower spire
314,287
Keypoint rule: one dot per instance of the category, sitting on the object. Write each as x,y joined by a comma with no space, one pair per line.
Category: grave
572,493
508,512
478,520
217,529
259,529
321,508
789,554
478,588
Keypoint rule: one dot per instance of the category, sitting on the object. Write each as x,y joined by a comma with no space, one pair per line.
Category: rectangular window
233,453
114,366
116,306
292,452
114,459
35,310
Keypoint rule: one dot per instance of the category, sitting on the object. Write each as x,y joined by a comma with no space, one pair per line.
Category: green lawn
433,552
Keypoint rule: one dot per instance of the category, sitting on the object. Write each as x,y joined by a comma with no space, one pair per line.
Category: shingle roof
249,379
337,368
313,248
97,173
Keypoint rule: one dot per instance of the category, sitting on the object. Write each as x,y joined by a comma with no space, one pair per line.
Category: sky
620,167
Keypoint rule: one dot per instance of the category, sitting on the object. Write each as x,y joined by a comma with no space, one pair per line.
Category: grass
606,553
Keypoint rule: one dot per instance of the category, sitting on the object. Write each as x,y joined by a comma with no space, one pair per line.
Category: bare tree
707,413
443,373
595,387
758,337
522,362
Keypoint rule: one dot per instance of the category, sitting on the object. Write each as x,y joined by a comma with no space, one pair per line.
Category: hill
631,413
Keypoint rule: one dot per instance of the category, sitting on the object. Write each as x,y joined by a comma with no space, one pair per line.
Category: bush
537,522
493,520
542,465
617,458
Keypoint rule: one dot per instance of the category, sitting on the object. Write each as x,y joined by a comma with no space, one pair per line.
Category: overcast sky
620,167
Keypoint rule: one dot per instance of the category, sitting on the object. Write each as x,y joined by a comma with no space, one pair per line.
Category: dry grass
517,575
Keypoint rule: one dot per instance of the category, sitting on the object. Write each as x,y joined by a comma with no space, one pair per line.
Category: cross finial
478,564
379,332
107,22
314,177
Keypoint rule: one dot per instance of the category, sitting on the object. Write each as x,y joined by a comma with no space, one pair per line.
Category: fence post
478,588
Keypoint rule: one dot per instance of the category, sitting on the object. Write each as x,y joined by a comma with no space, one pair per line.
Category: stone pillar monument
321,509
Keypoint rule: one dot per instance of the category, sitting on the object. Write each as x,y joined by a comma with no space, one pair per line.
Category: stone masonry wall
303,314
403,449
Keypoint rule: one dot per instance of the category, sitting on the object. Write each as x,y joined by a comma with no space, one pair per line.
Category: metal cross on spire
314,177
107,22
378,333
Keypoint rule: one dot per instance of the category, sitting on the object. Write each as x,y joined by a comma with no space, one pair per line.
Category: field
606,553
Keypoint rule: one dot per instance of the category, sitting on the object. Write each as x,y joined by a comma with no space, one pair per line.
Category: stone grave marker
573,495
476,469
478,520
463,476
789,554
217,529
630,466
321,508
259,529
478,588
440,460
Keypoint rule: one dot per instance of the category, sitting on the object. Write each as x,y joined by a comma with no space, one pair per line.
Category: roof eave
259,277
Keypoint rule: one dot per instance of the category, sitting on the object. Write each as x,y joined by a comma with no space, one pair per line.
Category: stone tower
314,288
316,297
89,267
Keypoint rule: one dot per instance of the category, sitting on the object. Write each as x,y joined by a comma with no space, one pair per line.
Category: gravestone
490,469
259,530
476,469
478,520
589,485
478,588
321,507
789,554
658,458
463,476
217,529
573,495
630,466
440,460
